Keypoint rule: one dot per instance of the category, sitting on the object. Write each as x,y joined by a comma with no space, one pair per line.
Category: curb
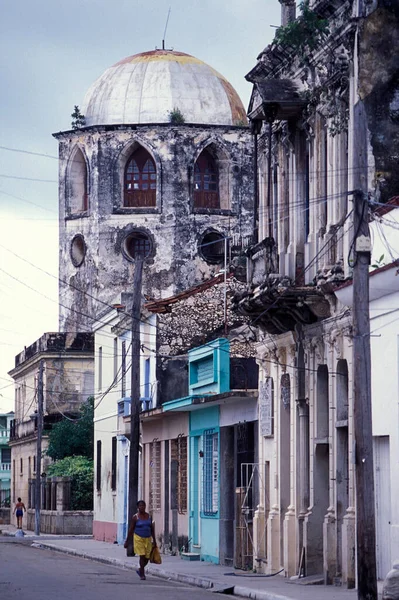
200,582
32,536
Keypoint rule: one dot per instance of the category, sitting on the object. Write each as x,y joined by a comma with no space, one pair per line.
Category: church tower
162,165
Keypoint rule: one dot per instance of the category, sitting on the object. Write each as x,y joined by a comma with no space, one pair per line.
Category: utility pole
365,508
135,398
364,468
38,482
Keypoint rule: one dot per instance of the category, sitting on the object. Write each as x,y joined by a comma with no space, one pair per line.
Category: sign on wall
266,393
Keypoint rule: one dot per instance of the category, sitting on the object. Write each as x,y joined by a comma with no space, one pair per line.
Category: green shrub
176,117
80,470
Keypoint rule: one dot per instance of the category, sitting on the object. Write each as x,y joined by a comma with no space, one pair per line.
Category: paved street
39,574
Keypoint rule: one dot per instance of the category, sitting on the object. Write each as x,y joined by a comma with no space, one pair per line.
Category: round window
137,245
78,250
211,247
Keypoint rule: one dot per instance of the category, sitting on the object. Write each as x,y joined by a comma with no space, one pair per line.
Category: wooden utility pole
365,508
364,468
135,399
38,483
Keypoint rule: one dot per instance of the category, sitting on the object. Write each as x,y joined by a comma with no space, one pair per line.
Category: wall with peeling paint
379,90
173,226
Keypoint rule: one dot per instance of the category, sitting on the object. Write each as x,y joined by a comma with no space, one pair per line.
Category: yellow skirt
142,546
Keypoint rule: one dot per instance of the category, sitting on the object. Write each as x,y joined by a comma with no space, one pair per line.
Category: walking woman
19,511
143,530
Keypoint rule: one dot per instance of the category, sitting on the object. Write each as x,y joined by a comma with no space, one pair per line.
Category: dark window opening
137,245
78,200
206,182
113,464
6,455
98,469
140,180
211,247
78,250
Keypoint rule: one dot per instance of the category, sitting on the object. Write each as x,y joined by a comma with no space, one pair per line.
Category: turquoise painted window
210,496
202,371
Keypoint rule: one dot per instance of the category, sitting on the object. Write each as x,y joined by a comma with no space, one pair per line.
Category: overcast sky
51,51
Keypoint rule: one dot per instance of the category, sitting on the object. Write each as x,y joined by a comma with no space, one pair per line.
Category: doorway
382,504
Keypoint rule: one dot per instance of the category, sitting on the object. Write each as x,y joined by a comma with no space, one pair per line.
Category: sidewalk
200,574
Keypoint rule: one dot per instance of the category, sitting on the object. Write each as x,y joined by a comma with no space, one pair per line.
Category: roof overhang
382,282
275,99
190,403
279,309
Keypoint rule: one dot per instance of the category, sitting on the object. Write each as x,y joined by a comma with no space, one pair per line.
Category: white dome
144,88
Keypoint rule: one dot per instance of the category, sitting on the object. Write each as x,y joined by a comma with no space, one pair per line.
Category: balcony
4,433
5,467
124,414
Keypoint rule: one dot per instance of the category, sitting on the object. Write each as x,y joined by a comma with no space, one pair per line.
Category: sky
51,52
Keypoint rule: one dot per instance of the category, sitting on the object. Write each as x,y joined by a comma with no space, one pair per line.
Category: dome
144,88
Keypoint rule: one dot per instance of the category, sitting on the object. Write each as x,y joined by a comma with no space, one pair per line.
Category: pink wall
104,531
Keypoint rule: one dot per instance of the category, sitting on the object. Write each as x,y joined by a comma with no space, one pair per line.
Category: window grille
179,454
211,473
155,476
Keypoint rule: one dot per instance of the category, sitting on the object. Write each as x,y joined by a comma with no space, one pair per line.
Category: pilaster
274,539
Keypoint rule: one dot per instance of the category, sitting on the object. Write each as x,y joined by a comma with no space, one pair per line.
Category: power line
28,178
28,202
28,152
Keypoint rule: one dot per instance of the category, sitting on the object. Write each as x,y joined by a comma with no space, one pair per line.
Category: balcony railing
5,467
4,433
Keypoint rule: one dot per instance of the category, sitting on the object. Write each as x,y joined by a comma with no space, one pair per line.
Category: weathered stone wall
173,226
199,319
62,522
5,516
379,89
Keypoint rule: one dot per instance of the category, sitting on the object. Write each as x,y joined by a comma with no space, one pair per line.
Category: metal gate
253,478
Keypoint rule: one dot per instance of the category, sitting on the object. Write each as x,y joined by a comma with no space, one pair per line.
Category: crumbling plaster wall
379,90
173,226
199,319
69,382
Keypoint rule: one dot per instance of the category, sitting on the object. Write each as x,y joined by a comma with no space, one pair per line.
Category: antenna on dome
166,26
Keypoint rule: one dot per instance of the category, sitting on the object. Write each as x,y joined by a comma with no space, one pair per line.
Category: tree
80,470
78,120
73,437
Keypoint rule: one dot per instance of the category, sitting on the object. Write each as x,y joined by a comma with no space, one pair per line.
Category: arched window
140,180
206,182
78,197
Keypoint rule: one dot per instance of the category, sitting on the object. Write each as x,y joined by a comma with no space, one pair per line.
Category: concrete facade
112,334
67,383
384,295
314,111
